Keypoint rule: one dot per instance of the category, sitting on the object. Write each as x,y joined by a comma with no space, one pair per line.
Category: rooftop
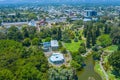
54,43
56,57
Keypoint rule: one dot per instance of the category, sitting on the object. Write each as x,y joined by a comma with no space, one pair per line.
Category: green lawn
111,48
73,46
98,70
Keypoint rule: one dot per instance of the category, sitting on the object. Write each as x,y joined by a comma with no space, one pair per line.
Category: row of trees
21,63
101,34
18,17
114,60
62,74
93,30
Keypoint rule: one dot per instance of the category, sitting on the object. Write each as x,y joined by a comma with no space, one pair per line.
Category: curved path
102,68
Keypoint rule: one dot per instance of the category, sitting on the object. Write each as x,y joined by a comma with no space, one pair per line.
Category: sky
56,1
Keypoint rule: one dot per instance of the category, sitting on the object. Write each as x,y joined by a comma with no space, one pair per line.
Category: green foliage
6,74
115,35
60,44
59,34
75,65
80,38
35,41
32,16
48,39
3,35
0,22
82,49
14,34
27,42
77,60
104,40
21,63
119,47
61,74
96,55
63,50
114,60
107,29
76,40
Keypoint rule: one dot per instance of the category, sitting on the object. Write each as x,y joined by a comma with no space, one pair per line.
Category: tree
3,35
82,49
75,65
66,39
93,39
48,39
80,38
35,41
119,47
27,42
0,22
78,59
59,34
61,74
114,60
107,29
88,41
96,55
32,16
98,32
115,35
22,63
76,40
104,40
14,33
63,50
25,32
6,74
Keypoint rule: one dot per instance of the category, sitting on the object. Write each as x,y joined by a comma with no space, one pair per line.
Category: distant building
87,19
90,13
75,19
54,44
46,46
32,23
56,58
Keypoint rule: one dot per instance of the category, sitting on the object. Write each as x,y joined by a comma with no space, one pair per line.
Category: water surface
88,72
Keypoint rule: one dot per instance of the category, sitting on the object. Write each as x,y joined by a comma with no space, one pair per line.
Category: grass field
111,48
73,46
98,70
108,49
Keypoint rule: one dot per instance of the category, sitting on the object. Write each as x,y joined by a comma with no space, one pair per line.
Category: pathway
87,53
101,66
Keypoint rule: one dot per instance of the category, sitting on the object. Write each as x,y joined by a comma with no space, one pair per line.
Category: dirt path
102,68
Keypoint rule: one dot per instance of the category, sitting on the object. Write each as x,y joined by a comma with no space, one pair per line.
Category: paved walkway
87,53
101,66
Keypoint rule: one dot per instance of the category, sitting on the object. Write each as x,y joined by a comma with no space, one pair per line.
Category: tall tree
59,33
14,33
88,39
114,60
97,31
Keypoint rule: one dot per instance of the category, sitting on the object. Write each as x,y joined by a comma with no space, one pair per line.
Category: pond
88,72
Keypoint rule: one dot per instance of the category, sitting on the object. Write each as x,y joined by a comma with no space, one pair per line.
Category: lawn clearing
112,48
73,46
98,70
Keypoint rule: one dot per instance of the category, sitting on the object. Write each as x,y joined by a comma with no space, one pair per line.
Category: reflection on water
88,72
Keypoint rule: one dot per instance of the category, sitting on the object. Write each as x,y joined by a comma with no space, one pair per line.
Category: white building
56,58
32,23
54,44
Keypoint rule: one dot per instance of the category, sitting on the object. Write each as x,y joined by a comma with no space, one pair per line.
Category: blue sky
16,1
